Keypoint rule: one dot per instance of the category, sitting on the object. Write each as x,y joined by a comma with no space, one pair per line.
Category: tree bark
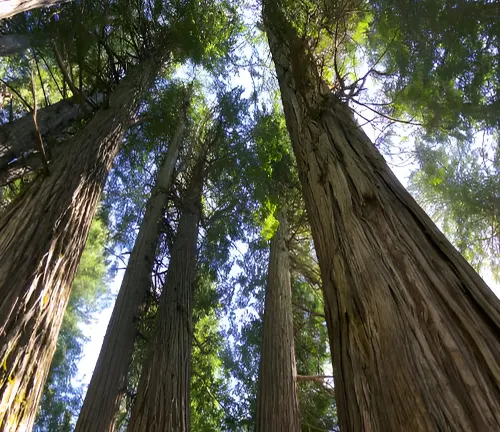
414,331
42,235
162,401
109,378
18,140
9,8
277,403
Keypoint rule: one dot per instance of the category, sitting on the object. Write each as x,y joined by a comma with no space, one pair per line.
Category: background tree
108,380
277,403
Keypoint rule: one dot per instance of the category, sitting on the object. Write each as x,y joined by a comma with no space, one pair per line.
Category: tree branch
39,139
64,71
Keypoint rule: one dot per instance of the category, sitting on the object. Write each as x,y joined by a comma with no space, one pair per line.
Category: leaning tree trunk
9,8
109,378
162,401
42,236
277,403
414,331
18,140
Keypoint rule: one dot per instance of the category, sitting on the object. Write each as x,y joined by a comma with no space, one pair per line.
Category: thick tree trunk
9,8
109,379
414,331
162,401
277,403
42,236
18,141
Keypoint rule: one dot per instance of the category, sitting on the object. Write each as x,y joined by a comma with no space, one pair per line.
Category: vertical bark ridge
109,378
162,401
277,403
414,331
42,236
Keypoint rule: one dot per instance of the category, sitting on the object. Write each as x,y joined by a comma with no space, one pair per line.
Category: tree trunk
9,8
162,401
109,378
414,331
42,235
18,141
277,403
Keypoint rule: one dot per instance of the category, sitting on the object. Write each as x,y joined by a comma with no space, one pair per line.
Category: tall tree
46,230
162,401
61,205
277,403
19,150
414,330
62,397
109,378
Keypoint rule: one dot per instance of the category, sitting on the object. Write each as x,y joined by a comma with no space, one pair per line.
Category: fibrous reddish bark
42,236
277,403
109,378
414,331
162,401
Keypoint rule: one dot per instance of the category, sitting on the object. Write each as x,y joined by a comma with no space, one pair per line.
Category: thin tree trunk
414,331
42,236
277,403
162,401
9,8
18,140
109,378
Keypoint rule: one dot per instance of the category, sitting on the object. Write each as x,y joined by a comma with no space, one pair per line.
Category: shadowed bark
18,140
42,235
277,403
162,401
414,331
109,378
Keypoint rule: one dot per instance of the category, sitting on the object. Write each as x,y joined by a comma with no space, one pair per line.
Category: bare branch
39,139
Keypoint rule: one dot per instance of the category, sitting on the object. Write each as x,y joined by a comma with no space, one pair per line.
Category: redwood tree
42,235
414,331
162,401
277,404
109,378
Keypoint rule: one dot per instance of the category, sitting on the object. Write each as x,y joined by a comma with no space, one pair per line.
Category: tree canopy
423,75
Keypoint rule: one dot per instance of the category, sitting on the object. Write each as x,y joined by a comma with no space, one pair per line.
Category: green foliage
208,384
61,399
275,177
442,59
439,61
458,185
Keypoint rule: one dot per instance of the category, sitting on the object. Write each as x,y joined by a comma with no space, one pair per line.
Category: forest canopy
219,175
